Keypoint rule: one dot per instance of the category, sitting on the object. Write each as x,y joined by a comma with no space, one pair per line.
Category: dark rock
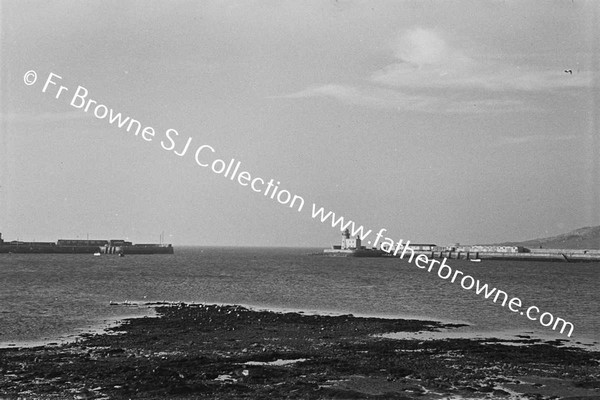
588,384
181,353
486,389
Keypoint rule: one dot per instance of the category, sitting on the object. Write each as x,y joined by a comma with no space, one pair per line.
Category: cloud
421,47
338,91
380,97
376,97
425,60
429,75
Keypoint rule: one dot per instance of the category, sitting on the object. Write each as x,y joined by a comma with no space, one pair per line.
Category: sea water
44,297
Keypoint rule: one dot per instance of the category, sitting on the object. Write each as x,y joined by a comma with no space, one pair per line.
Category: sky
439,121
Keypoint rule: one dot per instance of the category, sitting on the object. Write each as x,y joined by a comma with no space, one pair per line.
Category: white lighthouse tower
349,243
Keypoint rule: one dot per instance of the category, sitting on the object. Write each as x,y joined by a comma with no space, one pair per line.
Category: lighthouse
348,243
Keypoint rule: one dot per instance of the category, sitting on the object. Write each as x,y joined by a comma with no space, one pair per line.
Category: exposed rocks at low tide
225,352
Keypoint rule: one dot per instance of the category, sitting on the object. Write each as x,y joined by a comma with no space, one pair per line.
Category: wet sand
231,352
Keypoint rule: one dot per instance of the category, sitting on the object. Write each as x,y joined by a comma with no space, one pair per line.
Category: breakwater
557,255
78,246
505,252
138,249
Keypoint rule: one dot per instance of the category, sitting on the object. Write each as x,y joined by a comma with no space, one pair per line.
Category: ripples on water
42,296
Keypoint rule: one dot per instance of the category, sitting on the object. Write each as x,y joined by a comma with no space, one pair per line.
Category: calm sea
44,297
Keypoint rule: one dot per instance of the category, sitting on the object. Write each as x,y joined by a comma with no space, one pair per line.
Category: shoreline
228,351
100,327
466,330
103,324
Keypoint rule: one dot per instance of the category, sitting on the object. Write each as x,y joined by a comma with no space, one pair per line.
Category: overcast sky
441,121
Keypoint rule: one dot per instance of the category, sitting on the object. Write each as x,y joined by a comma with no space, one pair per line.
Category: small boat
475,260
97,254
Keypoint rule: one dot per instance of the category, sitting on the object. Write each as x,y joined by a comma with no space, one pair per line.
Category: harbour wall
47,249
137,249
559,255
55,249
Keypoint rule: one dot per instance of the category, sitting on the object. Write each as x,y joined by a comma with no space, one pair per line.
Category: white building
349,243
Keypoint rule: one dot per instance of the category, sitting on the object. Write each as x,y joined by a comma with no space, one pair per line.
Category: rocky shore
231,352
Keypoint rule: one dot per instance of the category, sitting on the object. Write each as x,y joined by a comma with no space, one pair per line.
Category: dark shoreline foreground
230,352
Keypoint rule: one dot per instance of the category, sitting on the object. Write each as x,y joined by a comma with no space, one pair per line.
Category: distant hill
582,238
